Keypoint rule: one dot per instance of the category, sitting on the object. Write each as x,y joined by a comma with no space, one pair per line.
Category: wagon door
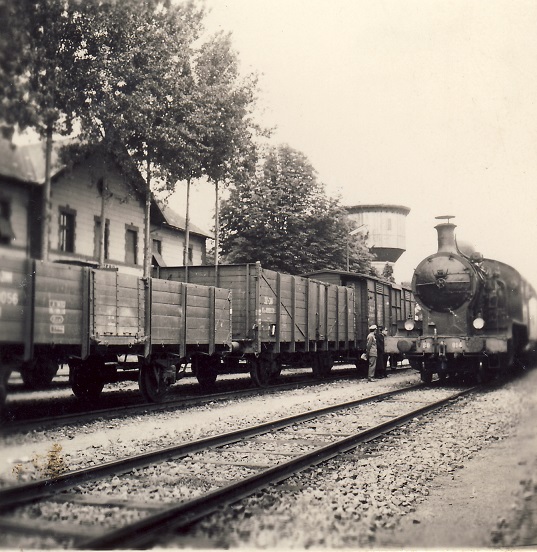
117,316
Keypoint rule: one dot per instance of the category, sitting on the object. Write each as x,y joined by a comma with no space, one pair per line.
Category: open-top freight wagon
107,325
280,319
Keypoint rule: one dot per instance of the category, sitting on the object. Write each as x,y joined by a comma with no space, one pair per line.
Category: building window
97,238
131,245
6,231
67,230
157,246
190,255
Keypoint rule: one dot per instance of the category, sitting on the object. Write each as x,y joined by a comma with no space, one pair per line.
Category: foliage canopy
284,218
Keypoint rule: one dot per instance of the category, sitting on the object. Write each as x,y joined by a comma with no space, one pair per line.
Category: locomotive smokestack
446,238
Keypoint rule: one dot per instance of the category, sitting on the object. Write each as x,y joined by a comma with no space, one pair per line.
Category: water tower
385,227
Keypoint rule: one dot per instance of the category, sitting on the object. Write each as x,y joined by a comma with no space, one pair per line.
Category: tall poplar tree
227,101
284,218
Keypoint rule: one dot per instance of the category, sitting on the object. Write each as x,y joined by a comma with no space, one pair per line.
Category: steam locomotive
478,316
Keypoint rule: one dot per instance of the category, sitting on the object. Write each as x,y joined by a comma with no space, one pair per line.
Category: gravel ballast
386,494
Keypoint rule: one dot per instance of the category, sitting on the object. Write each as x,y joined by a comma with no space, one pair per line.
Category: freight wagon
376,302
280,319
108,326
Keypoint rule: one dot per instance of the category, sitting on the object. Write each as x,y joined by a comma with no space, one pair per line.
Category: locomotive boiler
478,316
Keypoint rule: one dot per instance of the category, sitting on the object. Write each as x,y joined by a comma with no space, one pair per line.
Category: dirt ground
491,502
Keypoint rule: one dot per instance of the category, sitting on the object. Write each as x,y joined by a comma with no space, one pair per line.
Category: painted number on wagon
9,298
56,309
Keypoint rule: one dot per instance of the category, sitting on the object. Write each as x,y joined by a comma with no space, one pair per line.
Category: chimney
446,238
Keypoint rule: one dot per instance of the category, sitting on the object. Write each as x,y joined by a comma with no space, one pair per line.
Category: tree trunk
45,205
216,232
187,228
147,224
102,233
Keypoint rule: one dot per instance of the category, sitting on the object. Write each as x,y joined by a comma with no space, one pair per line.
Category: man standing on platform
371,352
381,357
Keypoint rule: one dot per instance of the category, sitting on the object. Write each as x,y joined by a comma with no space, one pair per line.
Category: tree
387,272
140,83
38,53
226,105
137,95
283,218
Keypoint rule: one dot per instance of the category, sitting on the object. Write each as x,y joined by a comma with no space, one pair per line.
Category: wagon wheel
426,376
206,369
4,376
39,372
261,370
86,378
317,366
151,382
276,369
327,364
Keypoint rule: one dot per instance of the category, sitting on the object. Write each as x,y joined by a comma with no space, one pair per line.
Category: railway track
192,480
27,422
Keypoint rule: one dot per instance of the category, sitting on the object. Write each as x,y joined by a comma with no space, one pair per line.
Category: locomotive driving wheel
152,382
86,378
427,375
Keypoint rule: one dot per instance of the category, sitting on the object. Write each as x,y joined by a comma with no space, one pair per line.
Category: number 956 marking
9,298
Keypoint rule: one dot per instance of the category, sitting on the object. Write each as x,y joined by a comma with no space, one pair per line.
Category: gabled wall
173,242
79,190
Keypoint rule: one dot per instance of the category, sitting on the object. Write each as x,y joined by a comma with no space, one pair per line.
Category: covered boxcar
280,319
376,301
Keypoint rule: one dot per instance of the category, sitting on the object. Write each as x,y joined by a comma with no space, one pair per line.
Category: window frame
136,230
64,230
6,212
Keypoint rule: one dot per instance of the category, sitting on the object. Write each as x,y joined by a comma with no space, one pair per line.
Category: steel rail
146,532
18,495
34,424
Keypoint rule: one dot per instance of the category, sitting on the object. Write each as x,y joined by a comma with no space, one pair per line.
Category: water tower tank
385,225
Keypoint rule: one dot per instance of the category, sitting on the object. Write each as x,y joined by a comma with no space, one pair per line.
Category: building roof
178,222
378,207
25,163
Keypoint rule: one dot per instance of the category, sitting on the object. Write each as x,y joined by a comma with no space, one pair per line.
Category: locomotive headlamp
478,323
409,325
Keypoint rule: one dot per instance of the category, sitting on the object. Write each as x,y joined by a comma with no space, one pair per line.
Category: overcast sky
428,104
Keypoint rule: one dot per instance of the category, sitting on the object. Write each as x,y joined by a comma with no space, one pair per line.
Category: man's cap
373,327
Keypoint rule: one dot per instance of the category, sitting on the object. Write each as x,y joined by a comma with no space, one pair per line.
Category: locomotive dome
444,281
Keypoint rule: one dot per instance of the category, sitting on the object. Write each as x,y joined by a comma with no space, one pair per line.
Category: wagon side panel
240,279
59,307
15,299
166,312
